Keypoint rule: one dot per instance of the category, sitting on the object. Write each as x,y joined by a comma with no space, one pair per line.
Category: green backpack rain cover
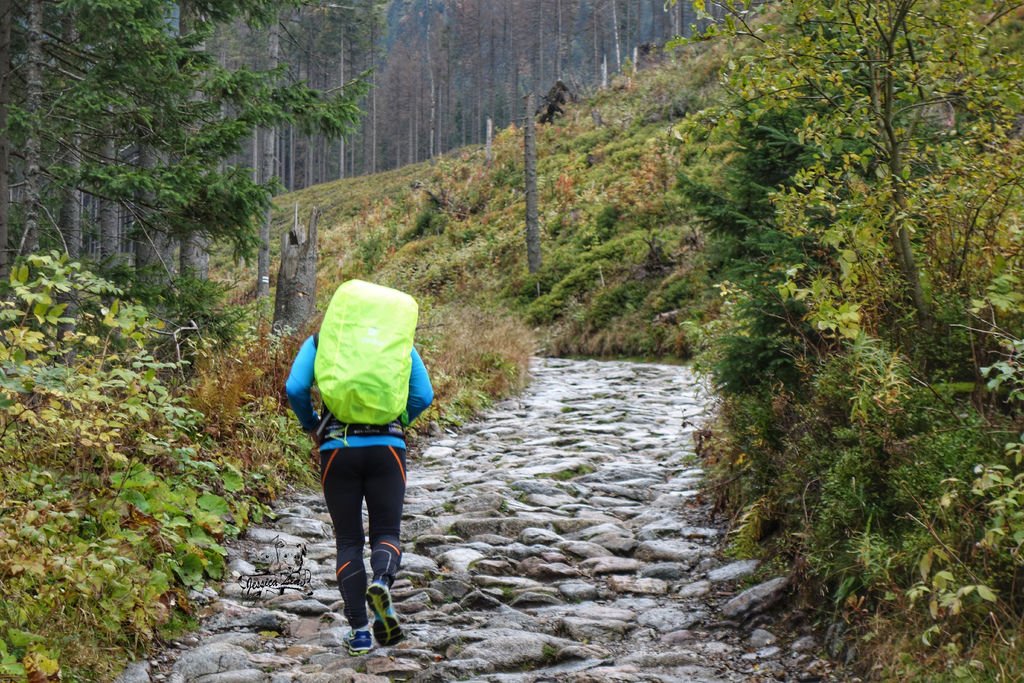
363,359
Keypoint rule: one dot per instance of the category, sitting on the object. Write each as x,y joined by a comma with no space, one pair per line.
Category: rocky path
563,537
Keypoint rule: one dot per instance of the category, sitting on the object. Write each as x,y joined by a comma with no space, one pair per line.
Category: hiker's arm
299,383
421,394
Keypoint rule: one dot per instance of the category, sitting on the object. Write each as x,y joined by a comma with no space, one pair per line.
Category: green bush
606,222
429,221
616,302
116,499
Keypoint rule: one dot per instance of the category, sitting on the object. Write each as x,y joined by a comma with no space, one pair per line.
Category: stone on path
629,584
516,651
136,672
230,616
459,559
694,590
672,551
736,570
756,599
210,659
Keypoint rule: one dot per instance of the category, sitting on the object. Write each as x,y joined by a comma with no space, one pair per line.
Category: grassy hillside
619,251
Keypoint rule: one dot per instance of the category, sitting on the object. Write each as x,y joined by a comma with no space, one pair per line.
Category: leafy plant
108,478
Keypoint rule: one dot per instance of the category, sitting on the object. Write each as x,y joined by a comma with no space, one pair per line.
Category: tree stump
295,301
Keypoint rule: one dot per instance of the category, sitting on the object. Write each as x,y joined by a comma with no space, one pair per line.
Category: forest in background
142,134
440,68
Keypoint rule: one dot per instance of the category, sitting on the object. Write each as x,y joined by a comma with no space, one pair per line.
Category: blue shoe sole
385,626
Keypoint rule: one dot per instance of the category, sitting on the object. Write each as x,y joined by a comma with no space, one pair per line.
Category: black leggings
348,475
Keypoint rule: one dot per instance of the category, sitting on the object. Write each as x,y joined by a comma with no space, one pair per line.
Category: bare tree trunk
295,299
308,164
269,157
444,115
292,184
558,41
627,31
479,66
490,133
538,84
433,96
492,75
5,99
33,143
615,32
532,222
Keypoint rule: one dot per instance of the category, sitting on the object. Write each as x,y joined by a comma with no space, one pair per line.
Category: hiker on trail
373,384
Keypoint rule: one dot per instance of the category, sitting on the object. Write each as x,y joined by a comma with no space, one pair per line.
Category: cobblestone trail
563,537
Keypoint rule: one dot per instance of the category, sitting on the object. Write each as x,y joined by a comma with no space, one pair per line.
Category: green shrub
109,479
616,302
606,222
429,221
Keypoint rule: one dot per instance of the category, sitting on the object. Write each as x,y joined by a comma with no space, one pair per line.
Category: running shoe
385,622
358,641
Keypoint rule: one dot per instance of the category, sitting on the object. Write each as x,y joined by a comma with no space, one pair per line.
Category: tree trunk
71,205
615,31
70,218
490,133
154,250
558,40
110,238
33,143
5,99
288,154
195,257
898,227
295,299
478,64
492,77
433,95
532,223
255,155
269,157
538,84
308,162
341,84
